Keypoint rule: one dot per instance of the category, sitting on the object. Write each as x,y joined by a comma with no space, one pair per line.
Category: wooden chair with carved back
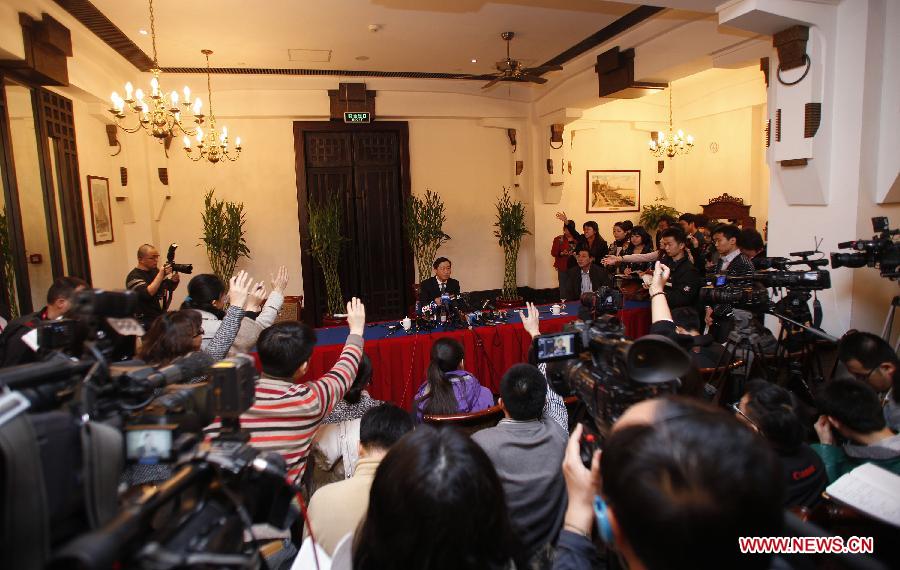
468,423
727,207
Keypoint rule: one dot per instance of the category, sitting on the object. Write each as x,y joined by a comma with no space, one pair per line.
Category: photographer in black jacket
685,281
151,284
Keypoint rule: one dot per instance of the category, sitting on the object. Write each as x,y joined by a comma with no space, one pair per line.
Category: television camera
749,291
882,251
219,486
219,489
603,301
593,360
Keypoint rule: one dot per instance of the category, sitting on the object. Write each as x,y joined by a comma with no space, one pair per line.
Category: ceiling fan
512,70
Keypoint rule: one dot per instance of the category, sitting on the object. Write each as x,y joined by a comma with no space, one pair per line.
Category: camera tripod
796,352
742,348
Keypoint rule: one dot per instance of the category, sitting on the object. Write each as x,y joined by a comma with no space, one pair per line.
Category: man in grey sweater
527,449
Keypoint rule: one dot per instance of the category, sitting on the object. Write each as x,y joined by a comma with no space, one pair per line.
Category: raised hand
257,297
239,288
356,316
530,320
581,485
280,280
660,276
610,260
561,216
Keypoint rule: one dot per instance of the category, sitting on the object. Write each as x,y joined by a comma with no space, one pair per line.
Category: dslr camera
882,251
186,268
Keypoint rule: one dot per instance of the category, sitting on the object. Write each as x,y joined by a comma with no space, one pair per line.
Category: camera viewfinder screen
148,445
720,280
555,347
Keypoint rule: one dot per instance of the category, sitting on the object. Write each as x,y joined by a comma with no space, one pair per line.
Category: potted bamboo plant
510,230
9,269
325,243
224,235
424,223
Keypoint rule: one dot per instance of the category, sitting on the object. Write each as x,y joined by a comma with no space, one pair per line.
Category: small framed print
613,191
101,210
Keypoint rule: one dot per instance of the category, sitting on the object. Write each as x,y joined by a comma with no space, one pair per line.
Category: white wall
858,298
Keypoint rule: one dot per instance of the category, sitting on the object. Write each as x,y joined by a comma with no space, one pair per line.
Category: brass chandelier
161,115
211,145
673,143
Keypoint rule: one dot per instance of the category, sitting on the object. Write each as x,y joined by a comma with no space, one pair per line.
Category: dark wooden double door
367,167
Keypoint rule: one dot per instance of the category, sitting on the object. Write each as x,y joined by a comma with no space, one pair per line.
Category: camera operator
695,240
683,326
13,349
684,284
732,263
752,246
151,284
668,482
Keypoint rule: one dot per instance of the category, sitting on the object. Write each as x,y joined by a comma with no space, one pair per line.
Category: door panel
322,183
368,167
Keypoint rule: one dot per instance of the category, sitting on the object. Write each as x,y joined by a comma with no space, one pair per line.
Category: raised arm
659,305
631,258
332,386
238,292
554,406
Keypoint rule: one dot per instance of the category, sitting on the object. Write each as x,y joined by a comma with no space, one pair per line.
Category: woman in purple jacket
448,389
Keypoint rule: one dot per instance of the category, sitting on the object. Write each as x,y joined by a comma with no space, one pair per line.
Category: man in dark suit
432,288
586,277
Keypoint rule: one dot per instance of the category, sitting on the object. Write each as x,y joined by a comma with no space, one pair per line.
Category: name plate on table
357,117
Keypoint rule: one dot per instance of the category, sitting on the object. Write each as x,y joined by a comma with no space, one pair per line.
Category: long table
400,360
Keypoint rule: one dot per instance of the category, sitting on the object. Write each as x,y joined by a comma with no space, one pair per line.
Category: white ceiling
414,35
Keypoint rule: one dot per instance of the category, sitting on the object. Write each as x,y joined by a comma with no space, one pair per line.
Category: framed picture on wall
101,210
613,191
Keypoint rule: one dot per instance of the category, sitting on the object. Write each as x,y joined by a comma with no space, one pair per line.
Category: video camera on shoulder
186,268
594,361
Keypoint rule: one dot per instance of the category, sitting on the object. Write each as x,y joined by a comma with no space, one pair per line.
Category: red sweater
560,261
286,415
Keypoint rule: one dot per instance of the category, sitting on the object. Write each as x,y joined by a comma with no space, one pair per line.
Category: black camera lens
848,260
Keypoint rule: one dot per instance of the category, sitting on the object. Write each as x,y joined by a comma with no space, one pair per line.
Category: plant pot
330,321
513,303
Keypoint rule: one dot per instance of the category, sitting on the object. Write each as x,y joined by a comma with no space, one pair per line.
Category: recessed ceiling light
142,32
474,60
362,58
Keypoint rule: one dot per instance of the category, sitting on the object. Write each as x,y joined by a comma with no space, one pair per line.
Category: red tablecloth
399,363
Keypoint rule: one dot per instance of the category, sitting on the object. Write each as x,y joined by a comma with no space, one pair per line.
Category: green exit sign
358,117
